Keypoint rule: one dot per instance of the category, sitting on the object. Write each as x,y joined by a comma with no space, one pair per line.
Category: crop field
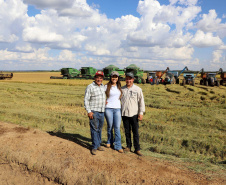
186,123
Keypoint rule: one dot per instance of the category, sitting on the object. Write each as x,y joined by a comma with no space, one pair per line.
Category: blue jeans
96,125
113,117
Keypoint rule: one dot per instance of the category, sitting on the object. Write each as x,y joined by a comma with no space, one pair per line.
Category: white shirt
113,101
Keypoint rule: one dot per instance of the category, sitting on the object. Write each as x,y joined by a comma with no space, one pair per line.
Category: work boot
127,149
138,153
94,151
121,151
108,145
100,148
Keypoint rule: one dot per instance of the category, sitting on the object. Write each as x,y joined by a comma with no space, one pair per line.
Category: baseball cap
130,74
99,73
114,73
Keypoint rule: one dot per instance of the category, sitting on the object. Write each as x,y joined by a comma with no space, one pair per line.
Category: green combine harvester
138,73
107,71
67,73
87,73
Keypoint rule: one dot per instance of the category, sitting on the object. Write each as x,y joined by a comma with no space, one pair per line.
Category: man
94,102
132,110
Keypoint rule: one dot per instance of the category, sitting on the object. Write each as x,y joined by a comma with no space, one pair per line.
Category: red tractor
223,76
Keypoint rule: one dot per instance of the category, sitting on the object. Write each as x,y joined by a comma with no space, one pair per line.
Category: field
182,124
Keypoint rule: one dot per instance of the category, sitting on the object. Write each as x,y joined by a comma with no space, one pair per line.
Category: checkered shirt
94,98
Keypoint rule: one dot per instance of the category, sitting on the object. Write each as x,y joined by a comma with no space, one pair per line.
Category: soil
30,156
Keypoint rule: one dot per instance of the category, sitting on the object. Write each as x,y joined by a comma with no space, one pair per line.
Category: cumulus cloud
205,40
210,23
162,35
57,4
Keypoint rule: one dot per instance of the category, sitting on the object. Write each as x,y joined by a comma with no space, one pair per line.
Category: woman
113,111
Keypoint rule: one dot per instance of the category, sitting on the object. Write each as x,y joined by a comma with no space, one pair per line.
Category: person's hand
140,117
90,115
106,103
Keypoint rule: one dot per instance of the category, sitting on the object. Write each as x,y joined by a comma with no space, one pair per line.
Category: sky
153,34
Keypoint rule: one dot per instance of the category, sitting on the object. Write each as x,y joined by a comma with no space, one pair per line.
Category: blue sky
36,35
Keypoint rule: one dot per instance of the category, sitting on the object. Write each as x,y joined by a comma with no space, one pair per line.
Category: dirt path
34,156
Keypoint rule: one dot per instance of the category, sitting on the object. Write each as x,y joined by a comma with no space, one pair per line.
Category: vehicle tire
206,82
183,82
221,82
177,81
193,83
201,82
217,83
143,81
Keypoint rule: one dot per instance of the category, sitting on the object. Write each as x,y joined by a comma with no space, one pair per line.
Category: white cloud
58,4
36,34
205,40
162,35
210,23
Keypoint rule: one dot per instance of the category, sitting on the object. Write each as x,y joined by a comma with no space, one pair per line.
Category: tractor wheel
201,82
177,81
217,83
174,80
193,83
206,82
221,82
183,82
143,81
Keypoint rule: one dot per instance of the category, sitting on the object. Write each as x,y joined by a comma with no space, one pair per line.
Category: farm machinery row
153,77
89,73
171,77
5,75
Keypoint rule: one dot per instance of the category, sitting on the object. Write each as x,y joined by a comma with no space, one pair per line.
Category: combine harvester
155,77
223,76
208,79
107,72
138,73
67,73
5,75
72,73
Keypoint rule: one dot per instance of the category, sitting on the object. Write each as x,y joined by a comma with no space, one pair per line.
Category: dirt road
36,157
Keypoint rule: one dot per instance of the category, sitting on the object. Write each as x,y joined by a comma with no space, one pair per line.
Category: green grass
181,122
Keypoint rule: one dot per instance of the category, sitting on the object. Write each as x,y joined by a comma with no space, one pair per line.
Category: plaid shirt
94,98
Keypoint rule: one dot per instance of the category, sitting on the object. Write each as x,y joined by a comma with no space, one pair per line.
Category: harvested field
182,135
36,157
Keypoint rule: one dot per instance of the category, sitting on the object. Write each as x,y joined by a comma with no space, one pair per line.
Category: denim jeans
113,117
131,123
96,125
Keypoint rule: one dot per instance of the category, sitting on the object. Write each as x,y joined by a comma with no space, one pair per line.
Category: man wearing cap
133,108
94,102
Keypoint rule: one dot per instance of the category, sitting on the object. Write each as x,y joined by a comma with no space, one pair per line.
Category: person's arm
141,105
86,102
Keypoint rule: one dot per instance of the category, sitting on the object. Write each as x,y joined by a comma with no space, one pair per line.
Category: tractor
223,76
208,79
170,77
152,78
189,78
5,75
107,71
155,77
138,73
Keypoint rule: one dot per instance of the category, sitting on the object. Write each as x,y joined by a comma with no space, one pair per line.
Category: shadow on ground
77,138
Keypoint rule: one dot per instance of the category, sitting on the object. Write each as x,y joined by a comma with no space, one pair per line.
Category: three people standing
132,105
